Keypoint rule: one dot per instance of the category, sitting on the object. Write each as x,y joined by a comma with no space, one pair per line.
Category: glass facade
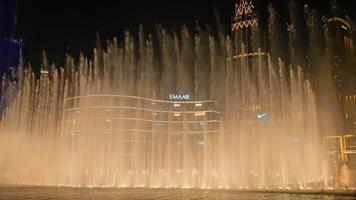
10,54
122,115
10,46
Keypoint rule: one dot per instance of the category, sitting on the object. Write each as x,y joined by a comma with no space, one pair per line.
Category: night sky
71,25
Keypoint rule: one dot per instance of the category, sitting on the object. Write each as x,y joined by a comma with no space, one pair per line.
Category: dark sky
71,25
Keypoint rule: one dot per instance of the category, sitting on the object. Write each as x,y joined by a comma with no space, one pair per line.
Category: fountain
249,122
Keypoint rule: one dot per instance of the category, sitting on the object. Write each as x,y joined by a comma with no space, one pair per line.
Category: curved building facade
156,142
118,113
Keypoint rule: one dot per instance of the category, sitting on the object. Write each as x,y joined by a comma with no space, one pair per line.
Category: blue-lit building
10,46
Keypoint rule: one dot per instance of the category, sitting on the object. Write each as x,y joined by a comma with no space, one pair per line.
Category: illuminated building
349,106
122,117
342,147
342,53
10,46
247,69
341,48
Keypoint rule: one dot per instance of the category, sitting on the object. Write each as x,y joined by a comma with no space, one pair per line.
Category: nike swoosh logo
259,116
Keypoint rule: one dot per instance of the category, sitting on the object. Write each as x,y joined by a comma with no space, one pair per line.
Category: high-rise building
248,39
245,73
341,48
10,46
342,53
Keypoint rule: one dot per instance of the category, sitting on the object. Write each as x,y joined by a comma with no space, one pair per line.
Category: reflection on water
59,193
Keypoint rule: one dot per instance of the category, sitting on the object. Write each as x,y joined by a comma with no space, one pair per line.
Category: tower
246,69
245,30
10,46
339,29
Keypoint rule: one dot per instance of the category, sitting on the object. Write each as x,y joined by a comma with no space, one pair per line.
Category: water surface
61,193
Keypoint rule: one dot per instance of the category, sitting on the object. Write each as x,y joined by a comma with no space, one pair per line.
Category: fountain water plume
68,127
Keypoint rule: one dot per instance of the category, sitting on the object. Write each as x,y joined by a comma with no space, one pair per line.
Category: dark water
60,193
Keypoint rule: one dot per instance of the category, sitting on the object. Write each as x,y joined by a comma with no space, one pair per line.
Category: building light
154,113
108,120
44,71
176,114
176,105
199,114
198,104
74,121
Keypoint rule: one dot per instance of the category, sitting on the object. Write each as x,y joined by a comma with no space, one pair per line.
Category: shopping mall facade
117,115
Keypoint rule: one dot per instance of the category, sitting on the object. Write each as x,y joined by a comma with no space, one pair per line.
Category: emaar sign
179,97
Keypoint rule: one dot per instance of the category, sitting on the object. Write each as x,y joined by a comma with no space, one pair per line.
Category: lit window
199,114
44,71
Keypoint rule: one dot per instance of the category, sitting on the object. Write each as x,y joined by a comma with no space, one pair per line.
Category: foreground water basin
65,193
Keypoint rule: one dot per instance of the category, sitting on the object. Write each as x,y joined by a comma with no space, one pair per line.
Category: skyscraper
10,46
246,72
342,53
341,48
